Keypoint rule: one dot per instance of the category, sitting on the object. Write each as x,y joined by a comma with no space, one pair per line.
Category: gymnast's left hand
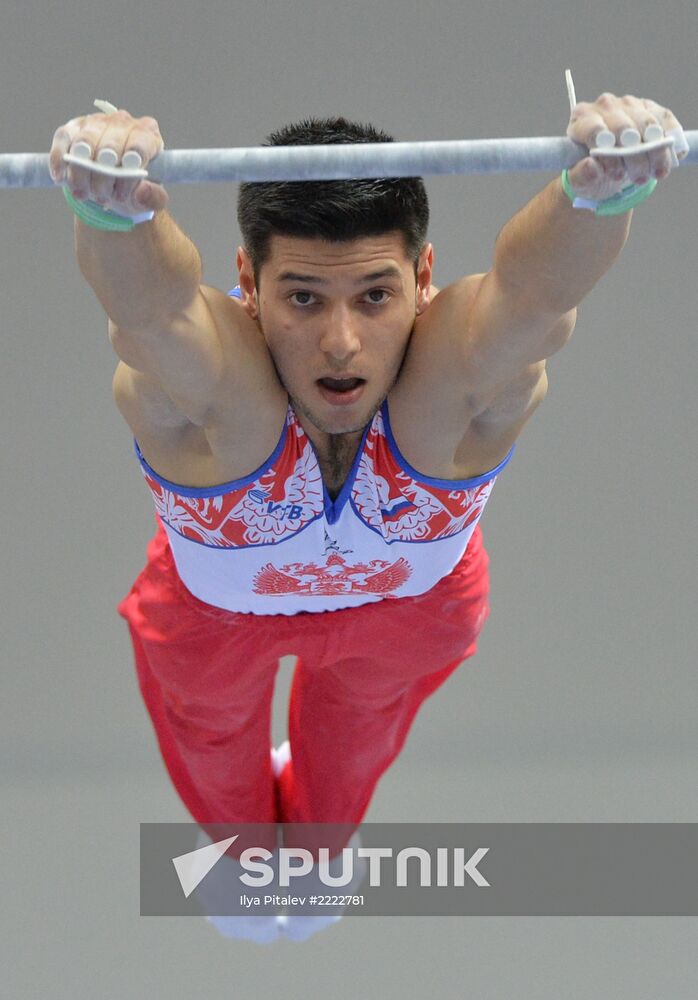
602,177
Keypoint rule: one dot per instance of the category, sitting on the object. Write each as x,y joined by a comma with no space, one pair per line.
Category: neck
339,448
331,447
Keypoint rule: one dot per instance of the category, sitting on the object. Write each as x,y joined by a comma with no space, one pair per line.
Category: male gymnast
320,443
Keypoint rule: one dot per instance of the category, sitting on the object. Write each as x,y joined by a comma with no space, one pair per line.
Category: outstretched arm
555,253
498,328
188,353
141,277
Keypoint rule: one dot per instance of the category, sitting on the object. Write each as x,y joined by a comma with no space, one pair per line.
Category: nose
341,337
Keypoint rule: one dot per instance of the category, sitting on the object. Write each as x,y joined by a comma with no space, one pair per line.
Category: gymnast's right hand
120,132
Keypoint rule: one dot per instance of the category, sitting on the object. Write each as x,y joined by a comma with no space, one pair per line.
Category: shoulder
498,341
479,412
247,367
228,312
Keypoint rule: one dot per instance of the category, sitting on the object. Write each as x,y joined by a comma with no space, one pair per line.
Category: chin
352,422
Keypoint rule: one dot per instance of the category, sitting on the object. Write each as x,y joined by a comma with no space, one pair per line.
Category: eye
379,291
299,303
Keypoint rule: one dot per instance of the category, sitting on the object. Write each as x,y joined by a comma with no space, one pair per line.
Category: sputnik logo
194,866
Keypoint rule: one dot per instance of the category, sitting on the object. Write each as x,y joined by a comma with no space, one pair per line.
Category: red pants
207,679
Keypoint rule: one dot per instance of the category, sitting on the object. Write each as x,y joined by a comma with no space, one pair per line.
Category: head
330,320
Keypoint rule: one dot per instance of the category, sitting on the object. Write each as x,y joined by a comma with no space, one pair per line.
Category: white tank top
276,543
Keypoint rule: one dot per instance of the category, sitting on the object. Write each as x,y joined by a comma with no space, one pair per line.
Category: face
325,313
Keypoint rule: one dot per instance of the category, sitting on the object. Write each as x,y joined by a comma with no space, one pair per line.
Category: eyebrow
310,279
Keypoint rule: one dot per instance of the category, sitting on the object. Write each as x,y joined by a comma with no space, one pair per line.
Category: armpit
514,403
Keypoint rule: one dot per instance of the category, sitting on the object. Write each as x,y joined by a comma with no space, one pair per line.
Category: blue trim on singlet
444,484
213,491
235,293
334,508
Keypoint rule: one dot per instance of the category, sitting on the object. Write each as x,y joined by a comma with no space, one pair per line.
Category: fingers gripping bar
336,162
631,142
107,159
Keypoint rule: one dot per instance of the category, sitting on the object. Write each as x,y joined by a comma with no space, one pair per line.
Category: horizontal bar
338,161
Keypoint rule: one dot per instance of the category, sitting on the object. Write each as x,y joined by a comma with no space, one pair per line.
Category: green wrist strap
98,218
619,203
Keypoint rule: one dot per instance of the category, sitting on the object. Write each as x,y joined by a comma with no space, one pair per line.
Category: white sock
301,927
263,929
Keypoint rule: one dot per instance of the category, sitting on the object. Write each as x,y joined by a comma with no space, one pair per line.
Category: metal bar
334,162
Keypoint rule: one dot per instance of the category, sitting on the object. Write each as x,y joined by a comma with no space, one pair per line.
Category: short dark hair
336,210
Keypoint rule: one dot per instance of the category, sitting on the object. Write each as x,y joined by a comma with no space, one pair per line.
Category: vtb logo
292,511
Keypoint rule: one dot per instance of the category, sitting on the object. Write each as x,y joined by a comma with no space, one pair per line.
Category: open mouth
341,391
341,384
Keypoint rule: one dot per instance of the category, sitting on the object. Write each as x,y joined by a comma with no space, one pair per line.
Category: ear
248,291
424,275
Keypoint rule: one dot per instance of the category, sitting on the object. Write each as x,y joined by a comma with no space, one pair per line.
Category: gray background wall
581,703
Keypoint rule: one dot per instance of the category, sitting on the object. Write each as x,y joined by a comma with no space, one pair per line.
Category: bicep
174,368
505,336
